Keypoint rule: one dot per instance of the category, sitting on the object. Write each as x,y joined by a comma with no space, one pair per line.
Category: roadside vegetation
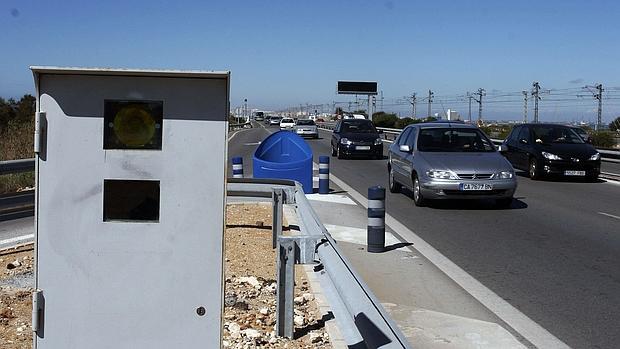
16,139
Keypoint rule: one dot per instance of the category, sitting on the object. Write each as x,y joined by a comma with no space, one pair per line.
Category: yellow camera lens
134,126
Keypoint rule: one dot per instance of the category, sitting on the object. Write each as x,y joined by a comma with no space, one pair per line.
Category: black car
549,149
356,137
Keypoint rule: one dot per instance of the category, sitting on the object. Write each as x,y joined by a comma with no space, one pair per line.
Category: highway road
554,255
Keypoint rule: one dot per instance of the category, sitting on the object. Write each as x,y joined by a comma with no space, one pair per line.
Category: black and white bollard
376,219
323,174
237,162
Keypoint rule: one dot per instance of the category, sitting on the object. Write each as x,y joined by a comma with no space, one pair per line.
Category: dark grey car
449,161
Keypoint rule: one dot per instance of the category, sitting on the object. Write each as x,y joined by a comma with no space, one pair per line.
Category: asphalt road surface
554,255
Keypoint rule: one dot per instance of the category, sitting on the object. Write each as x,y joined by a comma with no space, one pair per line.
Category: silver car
306,128
449,160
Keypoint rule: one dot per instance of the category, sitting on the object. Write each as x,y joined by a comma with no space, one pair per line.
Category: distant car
306,128
267,118
549,149
449,160
582,133
356,137
287,124
274,120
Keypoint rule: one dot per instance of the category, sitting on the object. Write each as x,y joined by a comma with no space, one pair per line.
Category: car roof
354,121
444,124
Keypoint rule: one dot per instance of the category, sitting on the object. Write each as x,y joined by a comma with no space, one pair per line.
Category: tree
381,119
615,125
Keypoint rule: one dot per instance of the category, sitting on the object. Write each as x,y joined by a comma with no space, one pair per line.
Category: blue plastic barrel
284,155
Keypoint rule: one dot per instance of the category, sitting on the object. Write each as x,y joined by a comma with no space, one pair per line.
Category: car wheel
503,202
394,186
533,170
418,199
334,151
339,153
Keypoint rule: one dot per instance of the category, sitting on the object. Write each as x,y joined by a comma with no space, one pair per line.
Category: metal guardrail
392,133
361,318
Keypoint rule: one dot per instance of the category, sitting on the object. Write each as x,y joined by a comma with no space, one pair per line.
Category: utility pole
480,93
245,108
430,101
381,100
524,106
412,101
599,96
469,97
535,93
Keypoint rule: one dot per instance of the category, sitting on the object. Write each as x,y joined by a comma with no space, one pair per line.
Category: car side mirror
523,141
405,148
503,148
589,140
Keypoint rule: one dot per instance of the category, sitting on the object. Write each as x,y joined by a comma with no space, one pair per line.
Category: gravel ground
249,302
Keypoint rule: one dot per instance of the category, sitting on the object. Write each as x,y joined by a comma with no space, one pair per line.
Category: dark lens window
130,200
132,124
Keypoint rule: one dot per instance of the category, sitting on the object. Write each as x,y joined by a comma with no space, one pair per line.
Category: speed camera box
130,173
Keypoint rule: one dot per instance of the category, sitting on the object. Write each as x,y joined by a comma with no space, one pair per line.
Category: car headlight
595,157
378,141
504,175
438,174
550,156
345,141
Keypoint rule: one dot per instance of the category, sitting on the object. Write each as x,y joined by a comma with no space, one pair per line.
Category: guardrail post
323,174
376,219
285,292
237,167
276,215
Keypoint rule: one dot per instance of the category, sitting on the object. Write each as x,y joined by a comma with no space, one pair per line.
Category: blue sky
283,53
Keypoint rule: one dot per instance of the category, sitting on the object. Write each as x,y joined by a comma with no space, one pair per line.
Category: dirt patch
16,279
250,290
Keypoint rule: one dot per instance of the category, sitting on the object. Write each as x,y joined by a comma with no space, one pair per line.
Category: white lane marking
609,215
17,239
253,143
236,132
334,198
356,235
520,322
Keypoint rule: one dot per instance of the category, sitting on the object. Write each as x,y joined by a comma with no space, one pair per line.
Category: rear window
453,140
289,121
305,122
359,127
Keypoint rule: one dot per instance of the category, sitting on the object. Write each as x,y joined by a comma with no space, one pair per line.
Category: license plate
476,186
362,147
574,173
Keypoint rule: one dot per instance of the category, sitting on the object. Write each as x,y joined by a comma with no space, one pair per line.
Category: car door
409,158
511,143
522,148
397,156
336,135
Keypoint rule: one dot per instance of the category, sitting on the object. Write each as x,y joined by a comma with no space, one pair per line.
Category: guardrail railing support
276,215
376,219
285,324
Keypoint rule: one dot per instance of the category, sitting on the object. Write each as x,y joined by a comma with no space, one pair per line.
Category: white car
306,128
287,124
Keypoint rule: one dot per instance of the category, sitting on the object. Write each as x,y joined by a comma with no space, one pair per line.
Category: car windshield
305,122
359,127
547,134
453,140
